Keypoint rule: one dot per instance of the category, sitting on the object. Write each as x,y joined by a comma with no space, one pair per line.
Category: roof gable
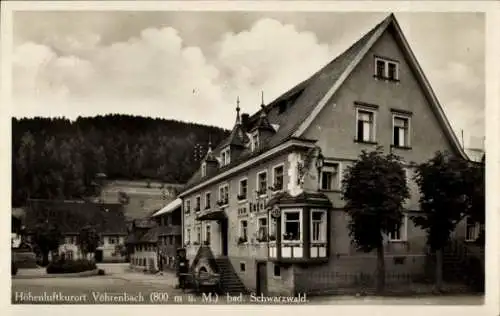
389,22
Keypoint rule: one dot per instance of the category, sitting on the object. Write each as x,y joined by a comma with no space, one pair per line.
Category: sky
191,66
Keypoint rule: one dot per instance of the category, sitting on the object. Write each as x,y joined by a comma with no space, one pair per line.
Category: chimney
245,117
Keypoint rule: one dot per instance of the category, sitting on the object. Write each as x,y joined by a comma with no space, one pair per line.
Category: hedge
71,266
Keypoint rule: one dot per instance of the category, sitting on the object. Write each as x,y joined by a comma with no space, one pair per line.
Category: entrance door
223,233
261,278
98,255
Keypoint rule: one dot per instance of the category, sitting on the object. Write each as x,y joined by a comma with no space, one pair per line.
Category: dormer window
225,157
204,169
255,140
386,69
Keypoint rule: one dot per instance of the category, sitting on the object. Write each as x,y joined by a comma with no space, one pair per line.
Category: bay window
291,226
318,226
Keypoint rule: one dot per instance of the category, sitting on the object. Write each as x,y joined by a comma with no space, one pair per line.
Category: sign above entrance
276,212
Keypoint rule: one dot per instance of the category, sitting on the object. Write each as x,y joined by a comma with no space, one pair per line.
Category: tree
374,189
46,238
447,196
88,241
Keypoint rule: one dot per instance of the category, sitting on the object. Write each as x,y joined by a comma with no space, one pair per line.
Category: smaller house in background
155,250
70,216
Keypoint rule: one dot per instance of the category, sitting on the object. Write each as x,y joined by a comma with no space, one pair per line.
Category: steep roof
294,111
71,216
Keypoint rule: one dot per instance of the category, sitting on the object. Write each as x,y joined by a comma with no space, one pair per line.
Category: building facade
71,216
268,199
156,248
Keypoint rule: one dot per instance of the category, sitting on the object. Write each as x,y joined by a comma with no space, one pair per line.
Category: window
112,240
197,203
262,229
471,230
244,230
242,267
187,238
188,206
277,270
262,183
392,73
399,234
330,177
273,228
207,200
292,221
203,169
400,132
198,234
69,255
365,131
225,157
242,189
255,140
380,68
318,226
278,178
223,194
207,234
386,69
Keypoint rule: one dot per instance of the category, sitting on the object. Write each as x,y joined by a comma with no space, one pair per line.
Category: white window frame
187,238
323,229
259,226
225,156
204,169
240,228
403,231
225,185
208,205
207,232
255,141
239,189
282,165
477,228
258,182
283,227
328,166
199,235
373,133
386,62
407,141
197,202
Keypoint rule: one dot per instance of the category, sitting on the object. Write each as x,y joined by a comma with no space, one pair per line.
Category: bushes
71,266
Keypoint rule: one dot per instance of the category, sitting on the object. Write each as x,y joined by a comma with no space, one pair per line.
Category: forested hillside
59,158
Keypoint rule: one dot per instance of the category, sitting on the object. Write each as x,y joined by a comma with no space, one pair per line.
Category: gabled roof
390,21
170,207
295,110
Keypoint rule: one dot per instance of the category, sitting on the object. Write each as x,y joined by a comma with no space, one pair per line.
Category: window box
242,197
242,240
401,147
276,188
261,192
206,243
196,243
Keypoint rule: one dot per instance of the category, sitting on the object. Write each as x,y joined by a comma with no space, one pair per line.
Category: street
120,286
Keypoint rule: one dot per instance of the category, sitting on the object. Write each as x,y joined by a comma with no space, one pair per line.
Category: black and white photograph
256,157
